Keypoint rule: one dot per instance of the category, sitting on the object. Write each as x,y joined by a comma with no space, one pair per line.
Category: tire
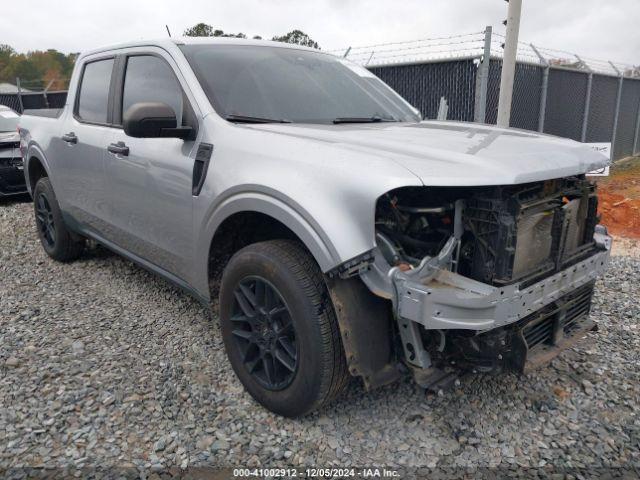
56,239
307,368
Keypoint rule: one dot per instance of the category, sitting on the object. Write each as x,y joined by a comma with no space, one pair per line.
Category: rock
77,347
205,442
12,362
160,445
588,387
219,445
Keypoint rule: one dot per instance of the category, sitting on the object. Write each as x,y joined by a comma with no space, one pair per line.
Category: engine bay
514,233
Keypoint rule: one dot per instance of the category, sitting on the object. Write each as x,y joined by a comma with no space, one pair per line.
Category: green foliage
199,30
36,69
295,36
205,30
299,38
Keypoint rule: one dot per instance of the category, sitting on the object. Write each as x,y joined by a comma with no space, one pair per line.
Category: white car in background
12,180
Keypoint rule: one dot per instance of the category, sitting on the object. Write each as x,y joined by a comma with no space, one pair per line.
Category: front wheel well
236,232
36,171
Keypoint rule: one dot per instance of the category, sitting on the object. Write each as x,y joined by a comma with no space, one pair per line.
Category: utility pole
509,62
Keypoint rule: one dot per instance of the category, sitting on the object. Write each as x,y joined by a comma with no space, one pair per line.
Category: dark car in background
12,180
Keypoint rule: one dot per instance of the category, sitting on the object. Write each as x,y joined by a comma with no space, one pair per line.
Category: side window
151,79
94,91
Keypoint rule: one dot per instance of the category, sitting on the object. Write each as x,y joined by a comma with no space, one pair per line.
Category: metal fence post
587,101
44,93
635,151
370,57
346,53
543,91
19,94
482,80
616,111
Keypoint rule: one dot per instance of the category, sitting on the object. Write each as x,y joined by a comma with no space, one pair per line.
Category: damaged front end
488,278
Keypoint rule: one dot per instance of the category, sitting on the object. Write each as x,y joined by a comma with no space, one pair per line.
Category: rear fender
34,153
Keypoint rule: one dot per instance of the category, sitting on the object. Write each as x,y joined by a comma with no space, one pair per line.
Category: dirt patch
619,199
628,247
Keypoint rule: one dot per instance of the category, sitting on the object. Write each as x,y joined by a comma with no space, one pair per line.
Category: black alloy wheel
57,240
280,329
45,221
264,333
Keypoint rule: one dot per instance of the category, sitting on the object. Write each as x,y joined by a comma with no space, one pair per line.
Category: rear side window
94,91
151,79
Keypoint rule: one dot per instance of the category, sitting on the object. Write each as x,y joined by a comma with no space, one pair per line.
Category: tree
5,55
206,30
199,30
299,38
6,51
25,69
36,69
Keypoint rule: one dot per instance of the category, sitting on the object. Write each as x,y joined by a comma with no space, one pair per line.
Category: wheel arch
252,217
36,168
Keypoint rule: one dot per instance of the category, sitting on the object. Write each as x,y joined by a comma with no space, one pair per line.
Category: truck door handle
118,148
70,138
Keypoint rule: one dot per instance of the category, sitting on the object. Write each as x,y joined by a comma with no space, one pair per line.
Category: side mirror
153,120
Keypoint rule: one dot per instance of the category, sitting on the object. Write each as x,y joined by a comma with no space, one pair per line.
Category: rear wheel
59,243
280,329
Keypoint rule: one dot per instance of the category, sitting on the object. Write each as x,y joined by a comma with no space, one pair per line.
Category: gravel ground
103,365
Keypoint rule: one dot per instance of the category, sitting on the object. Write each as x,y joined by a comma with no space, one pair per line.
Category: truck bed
44,112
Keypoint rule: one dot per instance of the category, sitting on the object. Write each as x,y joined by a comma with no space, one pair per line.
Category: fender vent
200,167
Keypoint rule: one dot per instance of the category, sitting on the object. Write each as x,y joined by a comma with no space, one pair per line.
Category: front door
150,179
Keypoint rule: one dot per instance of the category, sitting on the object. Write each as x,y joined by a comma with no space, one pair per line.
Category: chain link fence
626,133
422,85
602,109
555,91
33,100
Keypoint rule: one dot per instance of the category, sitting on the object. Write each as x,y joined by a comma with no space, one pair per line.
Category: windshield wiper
249,119
373,119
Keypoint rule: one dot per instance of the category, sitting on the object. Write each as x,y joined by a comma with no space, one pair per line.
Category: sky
592,28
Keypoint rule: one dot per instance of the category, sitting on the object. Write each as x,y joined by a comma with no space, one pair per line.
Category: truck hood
456,153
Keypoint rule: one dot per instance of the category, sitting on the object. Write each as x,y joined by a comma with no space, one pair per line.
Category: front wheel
280,329
59,243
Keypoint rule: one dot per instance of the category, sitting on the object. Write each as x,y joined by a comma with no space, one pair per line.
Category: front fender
268,203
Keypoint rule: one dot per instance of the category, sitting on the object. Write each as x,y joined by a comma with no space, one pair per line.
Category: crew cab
336,232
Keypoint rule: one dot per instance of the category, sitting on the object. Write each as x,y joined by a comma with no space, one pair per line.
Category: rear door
79,149
150,186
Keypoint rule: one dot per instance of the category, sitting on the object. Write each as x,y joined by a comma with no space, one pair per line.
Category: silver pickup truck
336,231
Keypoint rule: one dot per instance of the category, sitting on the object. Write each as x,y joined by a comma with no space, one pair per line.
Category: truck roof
172,41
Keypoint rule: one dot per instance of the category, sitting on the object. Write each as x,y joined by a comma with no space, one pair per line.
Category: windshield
8,120
263,83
